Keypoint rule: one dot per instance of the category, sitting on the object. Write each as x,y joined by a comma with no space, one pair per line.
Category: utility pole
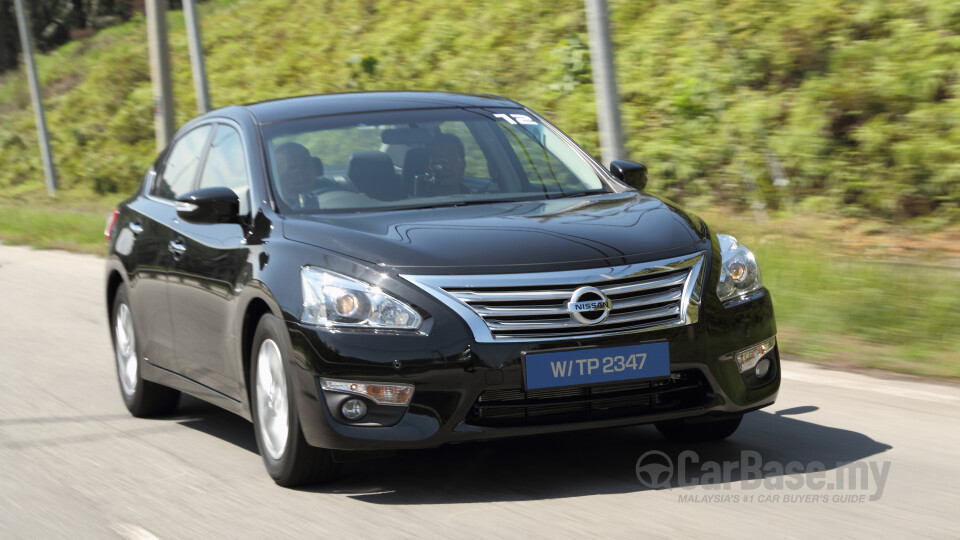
196,56
604,82
26,43
160,71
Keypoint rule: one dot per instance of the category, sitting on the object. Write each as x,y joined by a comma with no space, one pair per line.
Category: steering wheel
490,187
325,185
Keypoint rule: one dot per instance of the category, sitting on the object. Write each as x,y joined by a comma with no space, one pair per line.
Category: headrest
369,164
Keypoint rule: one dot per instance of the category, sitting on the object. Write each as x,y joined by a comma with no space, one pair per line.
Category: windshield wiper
460,203
582,193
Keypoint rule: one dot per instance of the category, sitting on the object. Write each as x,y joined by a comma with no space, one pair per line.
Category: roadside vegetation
824,134
857,293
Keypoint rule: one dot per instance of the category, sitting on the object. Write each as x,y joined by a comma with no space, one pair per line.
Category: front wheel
142,398
699,429
286,454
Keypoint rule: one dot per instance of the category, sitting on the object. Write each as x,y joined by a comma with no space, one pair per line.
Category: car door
208,273
149,229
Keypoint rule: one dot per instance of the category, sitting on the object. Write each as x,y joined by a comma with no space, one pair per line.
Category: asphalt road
839,454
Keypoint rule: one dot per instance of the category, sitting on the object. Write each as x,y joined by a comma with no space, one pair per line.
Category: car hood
611,228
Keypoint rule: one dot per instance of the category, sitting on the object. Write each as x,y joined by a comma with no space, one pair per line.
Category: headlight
331,299
739,273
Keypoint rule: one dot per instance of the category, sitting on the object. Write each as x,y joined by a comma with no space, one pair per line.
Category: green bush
853,105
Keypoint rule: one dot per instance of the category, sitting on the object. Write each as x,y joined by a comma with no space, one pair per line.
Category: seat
372,172
322,183
414,168
317,165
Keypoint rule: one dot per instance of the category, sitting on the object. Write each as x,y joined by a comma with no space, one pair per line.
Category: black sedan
379,271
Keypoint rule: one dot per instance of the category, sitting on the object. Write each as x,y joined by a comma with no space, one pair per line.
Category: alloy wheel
126,350
271,398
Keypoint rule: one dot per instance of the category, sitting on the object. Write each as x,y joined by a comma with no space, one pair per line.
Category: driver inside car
446,163
297,176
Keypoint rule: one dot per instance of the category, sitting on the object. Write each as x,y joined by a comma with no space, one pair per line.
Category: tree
78,17
51,22
9,37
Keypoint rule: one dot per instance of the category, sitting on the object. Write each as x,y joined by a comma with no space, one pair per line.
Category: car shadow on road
201,416
556,466
587,463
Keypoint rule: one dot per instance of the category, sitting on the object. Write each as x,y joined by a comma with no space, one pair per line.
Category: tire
143,398
699,429
289,459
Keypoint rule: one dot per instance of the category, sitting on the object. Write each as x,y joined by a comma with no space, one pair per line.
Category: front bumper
451,372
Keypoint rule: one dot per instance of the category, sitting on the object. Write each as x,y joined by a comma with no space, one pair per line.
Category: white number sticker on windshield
517,119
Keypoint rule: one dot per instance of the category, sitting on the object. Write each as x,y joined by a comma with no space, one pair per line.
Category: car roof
278,110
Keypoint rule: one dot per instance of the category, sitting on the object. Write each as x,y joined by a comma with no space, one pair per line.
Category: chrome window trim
689,301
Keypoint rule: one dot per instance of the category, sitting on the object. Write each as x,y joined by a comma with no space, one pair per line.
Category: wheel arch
256,308
114,280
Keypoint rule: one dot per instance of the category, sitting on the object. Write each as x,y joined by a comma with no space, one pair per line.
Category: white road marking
133,532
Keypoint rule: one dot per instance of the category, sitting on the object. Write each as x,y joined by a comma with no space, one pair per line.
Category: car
369,272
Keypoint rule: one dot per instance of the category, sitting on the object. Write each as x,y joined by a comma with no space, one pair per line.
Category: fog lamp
748,358
354,409
381,394
763,367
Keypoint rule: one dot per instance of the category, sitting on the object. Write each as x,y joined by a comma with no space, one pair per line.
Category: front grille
687,389
512,307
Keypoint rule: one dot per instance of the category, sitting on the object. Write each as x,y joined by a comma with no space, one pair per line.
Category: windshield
422,158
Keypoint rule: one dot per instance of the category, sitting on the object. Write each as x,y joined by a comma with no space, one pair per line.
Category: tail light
111,223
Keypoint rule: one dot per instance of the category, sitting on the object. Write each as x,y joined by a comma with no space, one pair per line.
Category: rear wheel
699,429
286,454
142,398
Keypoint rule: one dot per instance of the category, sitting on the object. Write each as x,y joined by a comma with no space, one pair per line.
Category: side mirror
633,174
209,205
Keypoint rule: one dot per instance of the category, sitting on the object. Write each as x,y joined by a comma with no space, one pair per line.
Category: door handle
177,247
136,227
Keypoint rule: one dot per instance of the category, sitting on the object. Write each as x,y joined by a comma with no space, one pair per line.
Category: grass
880,315
852,105
849,295
73,226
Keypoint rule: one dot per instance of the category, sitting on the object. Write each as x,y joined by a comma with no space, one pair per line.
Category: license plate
592,366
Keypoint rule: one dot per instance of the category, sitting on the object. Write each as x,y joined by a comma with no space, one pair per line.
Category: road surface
839,454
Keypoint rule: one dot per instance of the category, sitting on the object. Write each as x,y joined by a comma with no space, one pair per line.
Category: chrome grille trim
613,319
533,306
485,312
624,289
